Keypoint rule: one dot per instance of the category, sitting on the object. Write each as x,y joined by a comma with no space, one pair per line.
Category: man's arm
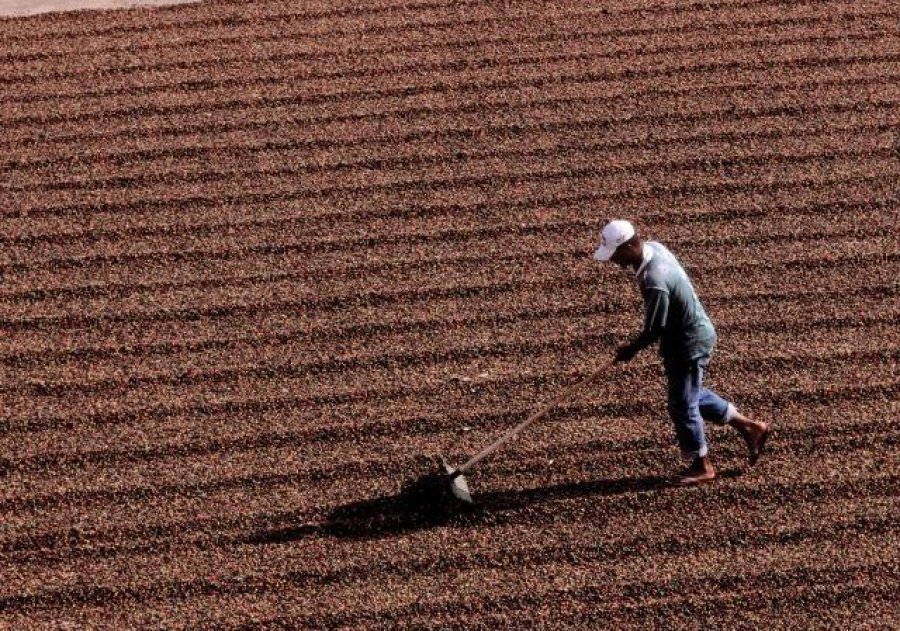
656,312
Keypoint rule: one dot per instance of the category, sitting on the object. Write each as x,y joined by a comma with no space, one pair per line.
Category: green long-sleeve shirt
672,312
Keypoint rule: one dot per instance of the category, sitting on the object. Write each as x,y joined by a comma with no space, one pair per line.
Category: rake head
458,485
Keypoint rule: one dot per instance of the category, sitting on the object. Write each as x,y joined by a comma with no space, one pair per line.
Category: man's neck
646,255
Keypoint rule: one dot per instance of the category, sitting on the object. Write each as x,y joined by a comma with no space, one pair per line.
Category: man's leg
684,385
717,410
754,433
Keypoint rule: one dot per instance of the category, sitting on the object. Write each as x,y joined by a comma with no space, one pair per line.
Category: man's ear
635,246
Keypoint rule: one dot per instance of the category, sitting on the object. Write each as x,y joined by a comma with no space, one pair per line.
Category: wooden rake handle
515,431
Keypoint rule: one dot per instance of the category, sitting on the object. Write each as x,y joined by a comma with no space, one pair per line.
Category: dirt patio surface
261,260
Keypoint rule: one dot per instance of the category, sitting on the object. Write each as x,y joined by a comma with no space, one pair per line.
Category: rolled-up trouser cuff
715,409
730,413
690,456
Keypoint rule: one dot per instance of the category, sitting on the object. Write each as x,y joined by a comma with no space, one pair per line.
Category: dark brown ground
261,259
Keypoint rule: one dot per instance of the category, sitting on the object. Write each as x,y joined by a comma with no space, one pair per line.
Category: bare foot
754,434
699,471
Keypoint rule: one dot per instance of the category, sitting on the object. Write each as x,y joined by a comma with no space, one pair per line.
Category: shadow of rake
404,512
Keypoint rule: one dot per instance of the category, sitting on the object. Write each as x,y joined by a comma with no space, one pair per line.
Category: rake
454,476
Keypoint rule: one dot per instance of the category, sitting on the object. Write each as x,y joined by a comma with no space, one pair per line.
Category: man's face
626,255
619,256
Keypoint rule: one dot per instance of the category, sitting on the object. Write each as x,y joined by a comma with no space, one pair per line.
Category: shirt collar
647,254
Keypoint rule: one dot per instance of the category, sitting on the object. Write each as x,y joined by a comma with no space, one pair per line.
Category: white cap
615,233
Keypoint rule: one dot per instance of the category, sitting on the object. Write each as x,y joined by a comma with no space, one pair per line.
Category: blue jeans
689,404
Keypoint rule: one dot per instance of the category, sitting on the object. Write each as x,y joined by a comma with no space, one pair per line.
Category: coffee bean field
263,261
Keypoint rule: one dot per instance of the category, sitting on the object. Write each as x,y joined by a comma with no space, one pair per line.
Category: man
674,316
